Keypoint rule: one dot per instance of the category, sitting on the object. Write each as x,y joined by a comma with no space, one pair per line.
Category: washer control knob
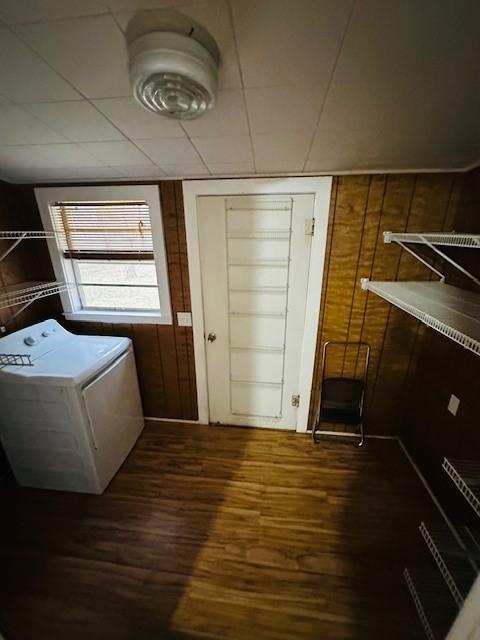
30,341
45,334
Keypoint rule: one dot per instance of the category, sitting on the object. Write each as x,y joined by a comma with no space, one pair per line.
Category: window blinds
110,230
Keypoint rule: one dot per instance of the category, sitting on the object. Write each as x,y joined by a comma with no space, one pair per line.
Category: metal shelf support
18,236
432,241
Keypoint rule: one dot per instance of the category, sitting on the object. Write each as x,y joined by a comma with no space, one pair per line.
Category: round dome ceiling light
173,73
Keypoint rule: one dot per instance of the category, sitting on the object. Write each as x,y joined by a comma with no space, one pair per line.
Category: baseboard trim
342,434
308,433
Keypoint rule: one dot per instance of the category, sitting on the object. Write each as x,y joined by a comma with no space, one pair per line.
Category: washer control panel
35,340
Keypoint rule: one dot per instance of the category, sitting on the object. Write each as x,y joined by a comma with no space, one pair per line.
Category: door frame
320,188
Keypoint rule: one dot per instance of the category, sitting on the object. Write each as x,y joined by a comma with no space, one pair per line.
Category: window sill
117,317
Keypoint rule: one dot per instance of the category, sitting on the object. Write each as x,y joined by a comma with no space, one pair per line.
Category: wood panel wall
164,353
362,208
440,367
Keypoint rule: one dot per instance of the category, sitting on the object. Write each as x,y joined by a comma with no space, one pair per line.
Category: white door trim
320,187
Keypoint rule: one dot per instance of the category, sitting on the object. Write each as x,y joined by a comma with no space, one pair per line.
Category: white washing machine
70,419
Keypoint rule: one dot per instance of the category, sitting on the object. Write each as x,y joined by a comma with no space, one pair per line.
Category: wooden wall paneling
427,210
370,237
382,203
168,358
395,210
429,431
440,367
187,307
466,217
170,225
448,200
348,223
150,369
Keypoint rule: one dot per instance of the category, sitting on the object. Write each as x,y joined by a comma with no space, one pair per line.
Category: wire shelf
30,293
16,359
450,553
433,602
465,240
449,310
466,477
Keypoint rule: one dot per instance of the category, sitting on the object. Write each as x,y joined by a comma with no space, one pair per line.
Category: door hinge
310,227
296,400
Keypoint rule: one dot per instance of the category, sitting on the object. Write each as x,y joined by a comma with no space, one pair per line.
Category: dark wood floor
219,532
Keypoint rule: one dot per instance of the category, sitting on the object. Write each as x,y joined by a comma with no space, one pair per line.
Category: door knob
212,337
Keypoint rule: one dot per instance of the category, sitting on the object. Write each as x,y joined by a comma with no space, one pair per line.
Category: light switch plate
453,405
184,319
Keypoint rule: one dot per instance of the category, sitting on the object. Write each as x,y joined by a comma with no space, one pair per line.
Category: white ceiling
305,86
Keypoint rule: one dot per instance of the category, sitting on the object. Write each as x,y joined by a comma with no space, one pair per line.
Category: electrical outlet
453,405
184,319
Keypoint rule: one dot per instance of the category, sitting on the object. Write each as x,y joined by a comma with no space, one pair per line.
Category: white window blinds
115,230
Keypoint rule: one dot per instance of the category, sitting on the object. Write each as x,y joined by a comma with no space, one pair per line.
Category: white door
254,256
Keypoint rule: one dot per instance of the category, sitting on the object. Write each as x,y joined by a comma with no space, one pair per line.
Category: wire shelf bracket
466,477
18,236
433,241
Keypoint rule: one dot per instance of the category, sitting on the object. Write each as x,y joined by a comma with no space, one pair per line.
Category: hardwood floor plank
222,533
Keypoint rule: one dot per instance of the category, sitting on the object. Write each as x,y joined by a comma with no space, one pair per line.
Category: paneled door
254,257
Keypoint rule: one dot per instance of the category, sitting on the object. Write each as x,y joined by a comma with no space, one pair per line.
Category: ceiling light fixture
174,73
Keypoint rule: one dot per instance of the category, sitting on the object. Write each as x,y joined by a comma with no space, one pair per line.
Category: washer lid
70,362
76,361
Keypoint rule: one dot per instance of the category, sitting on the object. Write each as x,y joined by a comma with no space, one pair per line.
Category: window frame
64,268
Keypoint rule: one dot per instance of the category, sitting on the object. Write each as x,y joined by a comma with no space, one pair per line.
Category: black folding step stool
341,398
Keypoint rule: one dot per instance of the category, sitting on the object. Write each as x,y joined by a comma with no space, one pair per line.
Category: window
109,247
